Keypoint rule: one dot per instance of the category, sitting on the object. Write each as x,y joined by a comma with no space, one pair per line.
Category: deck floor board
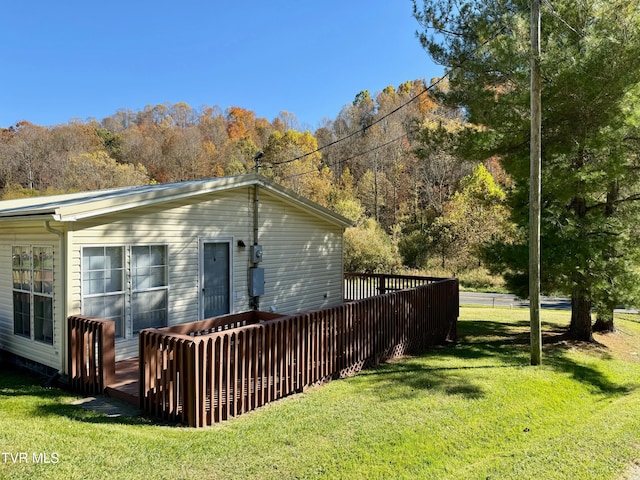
126,385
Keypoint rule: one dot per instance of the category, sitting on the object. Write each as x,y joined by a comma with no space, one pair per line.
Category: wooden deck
211,376
211,370
126,386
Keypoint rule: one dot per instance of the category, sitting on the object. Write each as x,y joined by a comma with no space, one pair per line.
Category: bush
414,249
368,249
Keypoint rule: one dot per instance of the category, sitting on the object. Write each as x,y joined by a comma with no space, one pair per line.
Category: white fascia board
142,199
39,218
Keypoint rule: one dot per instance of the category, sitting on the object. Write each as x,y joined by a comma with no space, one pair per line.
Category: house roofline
74,207
295,198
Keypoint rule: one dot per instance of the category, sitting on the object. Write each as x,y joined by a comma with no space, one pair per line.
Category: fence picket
221,372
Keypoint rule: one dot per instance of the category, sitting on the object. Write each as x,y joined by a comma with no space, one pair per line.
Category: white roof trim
77,206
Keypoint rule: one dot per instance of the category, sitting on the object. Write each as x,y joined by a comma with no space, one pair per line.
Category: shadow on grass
81,414
590,376
32,397
557,355
488,345
417,379
483,345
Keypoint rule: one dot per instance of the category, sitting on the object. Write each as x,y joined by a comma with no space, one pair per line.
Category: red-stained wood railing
365,285
92,360
204,378
223,322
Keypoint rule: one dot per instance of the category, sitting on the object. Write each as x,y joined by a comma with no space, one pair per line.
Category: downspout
63,264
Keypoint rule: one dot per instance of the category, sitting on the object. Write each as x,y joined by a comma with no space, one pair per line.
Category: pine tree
590,185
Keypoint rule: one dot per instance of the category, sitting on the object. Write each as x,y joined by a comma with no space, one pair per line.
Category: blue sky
67,60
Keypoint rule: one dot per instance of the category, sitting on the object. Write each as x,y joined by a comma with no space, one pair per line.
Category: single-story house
160,255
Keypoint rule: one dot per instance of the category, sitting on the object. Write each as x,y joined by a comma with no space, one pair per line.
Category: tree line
433,178
373,164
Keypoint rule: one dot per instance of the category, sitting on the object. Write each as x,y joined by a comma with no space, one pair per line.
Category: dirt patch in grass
553,340
633,472
621,344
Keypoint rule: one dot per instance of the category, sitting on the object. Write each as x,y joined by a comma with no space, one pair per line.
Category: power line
343,160
377,147
338,162
553,11
366,127
395,110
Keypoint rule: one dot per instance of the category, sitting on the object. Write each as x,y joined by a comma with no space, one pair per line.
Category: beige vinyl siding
45,354
180,226
302,258
302,252
302,255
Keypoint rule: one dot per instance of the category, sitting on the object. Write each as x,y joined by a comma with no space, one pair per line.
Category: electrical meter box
256,253
256,281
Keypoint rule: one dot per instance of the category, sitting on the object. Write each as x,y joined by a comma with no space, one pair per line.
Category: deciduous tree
368,249
94,171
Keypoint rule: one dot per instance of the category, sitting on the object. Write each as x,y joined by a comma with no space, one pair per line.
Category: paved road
508,300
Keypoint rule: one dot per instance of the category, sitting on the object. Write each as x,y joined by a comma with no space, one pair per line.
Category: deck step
125,385
127,393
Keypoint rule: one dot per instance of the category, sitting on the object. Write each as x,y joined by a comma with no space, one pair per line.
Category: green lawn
473,410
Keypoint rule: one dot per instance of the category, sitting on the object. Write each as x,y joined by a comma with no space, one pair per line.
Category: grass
471,410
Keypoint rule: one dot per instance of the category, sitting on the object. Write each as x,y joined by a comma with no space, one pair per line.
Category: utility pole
535,187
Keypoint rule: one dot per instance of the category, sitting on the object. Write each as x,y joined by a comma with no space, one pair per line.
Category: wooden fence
92,360
364,285
223,322
201,378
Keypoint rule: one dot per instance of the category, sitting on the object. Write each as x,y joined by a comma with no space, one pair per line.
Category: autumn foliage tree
478,214
363,164
295,162
96,171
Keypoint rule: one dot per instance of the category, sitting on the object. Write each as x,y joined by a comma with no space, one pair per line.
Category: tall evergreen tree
590,71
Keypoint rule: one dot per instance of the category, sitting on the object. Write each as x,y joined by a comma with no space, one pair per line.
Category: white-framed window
117,277
149,287
103,287
33,292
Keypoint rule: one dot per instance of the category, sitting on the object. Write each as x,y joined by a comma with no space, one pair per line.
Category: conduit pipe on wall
255,299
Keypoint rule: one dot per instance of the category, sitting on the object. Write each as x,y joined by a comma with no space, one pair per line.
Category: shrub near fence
198,380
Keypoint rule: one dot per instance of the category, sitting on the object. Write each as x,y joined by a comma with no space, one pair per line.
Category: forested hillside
386,161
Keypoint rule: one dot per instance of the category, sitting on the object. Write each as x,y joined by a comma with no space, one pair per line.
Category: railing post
91,354
454,298
192,391
107,362
72,349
